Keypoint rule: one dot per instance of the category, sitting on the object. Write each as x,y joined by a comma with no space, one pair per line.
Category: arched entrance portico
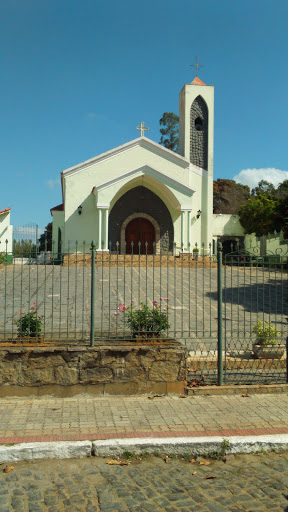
140,202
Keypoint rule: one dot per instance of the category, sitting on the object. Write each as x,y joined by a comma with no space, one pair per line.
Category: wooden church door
139,230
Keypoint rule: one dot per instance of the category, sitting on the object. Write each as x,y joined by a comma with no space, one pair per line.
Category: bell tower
196,124
196,144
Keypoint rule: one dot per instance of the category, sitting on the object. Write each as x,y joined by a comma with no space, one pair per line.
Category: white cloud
53,183
251,177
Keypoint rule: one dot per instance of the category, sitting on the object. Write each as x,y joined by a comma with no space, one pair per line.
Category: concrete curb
162,446
193,445
48,450
232,389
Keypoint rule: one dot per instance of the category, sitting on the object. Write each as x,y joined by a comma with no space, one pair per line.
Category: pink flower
34,302
115,314
20,313
155,303
33,307
125,307
161,298
133,301
166,299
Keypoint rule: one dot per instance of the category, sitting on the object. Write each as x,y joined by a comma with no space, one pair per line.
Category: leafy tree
24,249
228,196
45,240
264,187
170,131
260,214
282,216
282,190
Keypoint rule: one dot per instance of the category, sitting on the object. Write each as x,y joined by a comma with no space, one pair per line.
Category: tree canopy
259,214
264,187
170,131
228,196
45,240
267,210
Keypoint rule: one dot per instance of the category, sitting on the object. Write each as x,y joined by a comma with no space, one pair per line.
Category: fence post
287,359
92,292
220,333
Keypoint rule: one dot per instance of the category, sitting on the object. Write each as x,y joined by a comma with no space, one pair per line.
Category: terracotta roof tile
58,208
197,81
6,210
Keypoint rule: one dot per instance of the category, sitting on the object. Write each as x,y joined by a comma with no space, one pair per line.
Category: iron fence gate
83,295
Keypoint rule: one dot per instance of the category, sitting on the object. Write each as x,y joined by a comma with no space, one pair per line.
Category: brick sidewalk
86,417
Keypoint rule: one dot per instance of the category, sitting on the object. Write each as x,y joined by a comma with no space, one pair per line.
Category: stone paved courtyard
243,483
84,417
62,296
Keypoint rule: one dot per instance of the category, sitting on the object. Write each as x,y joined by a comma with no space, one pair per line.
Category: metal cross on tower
196,66
142,128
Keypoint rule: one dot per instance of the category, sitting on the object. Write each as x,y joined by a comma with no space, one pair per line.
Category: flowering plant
145,321
29,324
266,334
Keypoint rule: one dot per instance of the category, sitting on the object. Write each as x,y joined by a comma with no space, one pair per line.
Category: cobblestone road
244,483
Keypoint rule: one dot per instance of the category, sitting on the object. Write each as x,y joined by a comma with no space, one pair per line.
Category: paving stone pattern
62,296
244,483
86,417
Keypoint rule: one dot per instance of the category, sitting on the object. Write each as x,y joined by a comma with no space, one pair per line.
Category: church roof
197,81
140,141
58,208
5,211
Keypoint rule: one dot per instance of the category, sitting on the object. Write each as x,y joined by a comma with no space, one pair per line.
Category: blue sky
79,75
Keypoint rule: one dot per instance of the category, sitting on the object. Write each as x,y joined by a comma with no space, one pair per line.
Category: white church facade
143,192
6,233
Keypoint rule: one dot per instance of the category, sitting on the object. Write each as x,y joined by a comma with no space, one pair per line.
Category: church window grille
199,133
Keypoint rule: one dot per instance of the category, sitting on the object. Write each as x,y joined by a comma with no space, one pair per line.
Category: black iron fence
221,311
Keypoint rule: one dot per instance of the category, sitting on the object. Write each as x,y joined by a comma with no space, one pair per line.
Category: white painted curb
161,446
49,450
194,445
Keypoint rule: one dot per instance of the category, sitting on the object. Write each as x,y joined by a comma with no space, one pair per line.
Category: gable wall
6,232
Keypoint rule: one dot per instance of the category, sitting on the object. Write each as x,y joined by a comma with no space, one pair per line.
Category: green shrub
29,324
145,321
266,334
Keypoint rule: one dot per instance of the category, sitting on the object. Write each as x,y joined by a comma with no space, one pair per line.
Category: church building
143,192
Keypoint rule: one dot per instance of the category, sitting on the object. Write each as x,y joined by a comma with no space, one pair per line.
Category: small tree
24,249
170,131
45,240
260,214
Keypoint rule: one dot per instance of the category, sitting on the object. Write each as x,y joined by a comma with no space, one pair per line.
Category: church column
189,232
185,228
106,241
182,229
99,229
103,216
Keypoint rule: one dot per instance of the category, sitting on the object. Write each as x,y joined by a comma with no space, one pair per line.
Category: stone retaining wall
117,370
113,260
